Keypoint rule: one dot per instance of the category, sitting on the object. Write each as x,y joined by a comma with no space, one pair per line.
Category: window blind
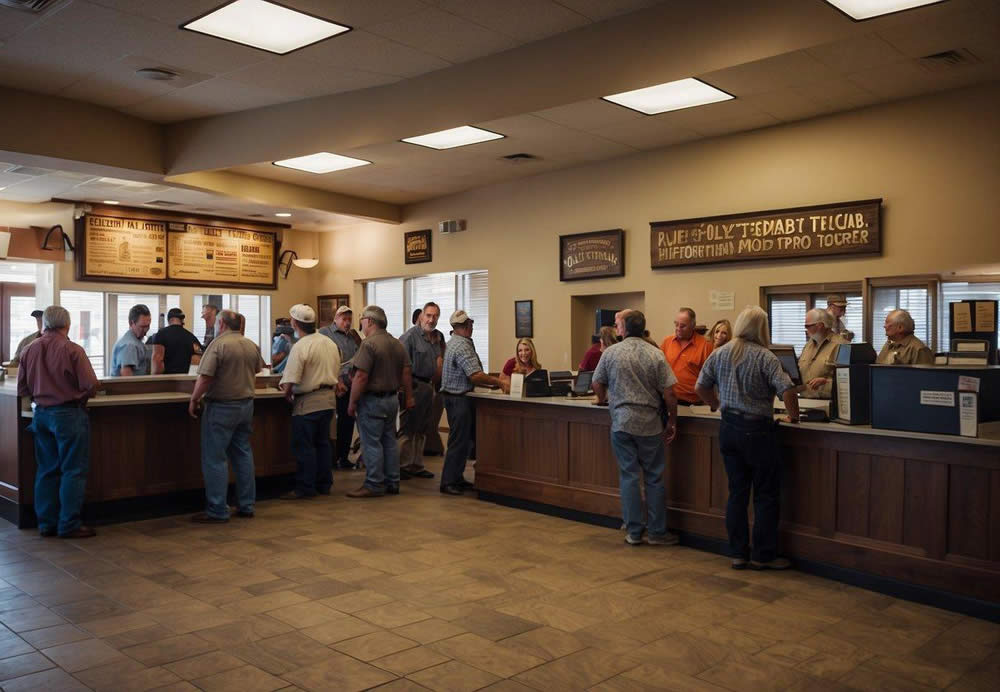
955,291
474,298
388,295
788,316
438,288
913,300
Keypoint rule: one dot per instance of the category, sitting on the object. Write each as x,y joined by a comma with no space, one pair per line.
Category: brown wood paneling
885,506
719,494
969,511
925,507
801,492
543,449
995,515
688,471
9,453
591,459
853,491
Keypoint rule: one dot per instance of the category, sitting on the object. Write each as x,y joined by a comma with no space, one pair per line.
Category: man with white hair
817,363
57,374
902,347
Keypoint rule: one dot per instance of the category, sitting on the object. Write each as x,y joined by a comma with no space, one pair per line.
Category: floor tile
338,672
280,654
392,615
53,636
243,679
544,642
410,660
453,676
32,618
347,627
204,665
126,676
157,653
355,601
579,670
486,655
495,625
81,655
25,664
53,680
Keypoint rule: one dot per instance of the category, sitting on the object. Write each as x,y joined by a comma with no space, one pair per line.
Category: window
467,291
86,315
22,324
787,307
915,301
120,303
257,312
788,316
953,291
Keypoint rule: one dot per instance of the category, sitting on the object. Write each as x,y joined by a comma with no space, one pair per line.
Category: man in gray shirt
633,378
347,341
129,356
424,345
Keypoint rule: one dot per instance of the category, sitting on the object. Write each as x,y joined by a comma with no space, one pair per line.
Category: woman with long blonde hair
721,333
524,362
748,375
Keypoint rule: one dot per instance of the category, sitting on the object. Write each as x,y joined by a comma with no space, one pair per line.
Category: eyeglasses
811,324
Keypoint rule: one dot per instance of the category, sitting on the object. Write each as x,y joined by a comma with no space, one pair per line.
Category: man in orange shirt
686,351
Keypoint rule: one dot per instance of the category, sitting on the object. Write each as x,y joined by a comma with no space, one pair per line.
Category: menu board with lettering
120,248
213,254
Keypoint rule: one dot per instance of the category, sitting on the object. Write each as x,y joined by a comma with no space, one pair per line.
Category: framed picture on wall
417,246
326,307
523,319
597,255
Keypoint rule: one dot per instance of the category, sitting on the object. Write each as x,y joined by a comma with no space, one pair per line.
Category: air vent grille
163,203
948,60
29,171
519,158
28,5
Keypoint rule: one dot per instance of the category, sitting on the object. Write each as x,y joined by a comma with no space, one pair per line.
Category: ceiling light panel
265,25
867,9
671,96
321,162
455,137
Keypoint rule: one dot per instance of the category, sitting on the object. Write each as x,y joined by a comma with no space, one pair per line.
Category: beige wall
934,160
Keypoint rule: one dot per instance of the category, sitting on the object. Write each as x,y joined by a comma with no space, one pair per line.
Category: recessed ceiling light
455,137
265,25
110,201
283,213
671,96
860,10
321,162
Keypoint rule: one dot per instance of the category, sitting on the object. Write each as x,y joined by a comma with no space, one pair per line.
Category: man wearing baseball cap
381,368
23,344
174,347
347,340
461,372
309,381
836,305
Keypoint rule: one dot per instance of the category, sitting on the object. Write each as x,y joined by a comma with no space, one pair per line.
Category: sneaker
666,539
739,563
633,540
776,563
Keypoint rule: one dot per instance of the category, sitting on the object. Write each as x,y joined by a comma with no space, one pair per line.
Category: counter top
990,437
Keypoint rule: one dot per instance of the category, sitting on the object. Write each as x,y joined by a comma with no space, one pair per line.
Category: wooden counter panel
918,511
9,447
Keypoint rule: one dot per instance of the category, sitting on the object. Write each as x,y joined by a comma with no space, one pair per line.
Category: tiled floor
424,591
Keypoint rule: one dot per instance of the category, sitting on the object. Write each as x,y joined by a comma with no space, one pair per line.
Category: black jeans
311,447
461,417
750,451
345,427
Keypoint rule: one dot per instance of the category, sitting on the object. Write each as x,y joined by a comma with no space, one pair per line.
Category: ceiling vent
28,5
519,158
948,60
29,171
162,203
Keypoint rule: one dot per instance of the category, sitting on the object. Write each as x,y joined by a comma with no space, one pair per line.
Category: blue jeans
62,456
311,447
461,418
225,432
377,427
750,452
644,453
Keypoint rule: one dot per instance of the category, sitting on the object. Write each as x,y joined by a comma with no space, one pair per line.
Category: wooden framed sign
417,246
217,255
524,324
596,255
122,249
327,306
826,230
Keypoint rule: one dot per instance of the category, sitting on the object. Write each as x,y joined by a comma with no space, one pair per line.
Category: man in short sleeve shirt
174,347
423,344
130,356
347,340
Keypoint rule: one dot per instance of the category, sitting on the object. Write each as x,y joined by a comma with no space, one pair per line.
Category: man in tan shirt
309,381
381,367
817,362
226,379
902,347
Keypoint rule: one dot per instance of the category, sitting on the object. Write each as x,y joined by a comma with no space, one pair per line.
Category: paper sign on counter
968,414
844,393
517,385
984,317
932,398
968,384
962,315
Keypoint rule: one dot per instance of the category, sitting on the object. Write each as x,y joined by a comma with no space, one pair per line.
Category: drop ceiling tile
740,123
973,30
361,50
525,20
293,73
788,104
693,118
597,10
856,53
838,94
359,14
23,69
174,12
770,74
895,81
592,114
13,22
116,84
647,133
444,35
212,97
40,189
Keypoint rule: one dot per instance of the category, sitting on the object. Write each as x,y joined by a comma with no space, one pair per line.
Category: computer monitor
789,363
581,386
855,354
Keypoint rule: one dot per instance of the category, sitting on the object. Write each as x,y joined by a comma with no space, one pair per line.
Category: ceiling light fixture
265,25
290,257
321,162
671,96
305,263
860,10
455,137
110,201
283,214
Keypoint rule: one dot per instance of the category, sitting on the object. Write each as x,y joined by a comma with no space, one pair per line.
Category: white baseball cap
302,313
460,317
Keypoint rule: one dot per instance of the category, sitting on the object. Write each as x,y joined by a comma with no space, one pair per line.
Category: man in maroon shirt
57,374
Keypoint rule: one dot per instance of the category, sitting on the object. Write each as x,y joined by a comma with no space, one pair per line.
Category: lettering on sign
212,254
846,228
596,255
125,249
417,246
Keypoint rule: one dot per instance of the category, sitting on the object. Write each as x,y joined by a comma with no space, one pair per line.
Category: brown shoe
82,532
364,492
205,518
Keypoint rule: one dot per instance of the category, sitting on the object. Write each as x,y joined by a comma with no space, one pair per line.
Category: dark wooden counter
922,512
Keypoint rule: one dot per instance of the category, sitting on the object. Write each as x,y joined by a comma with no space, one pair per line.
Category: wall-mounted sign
124,249
596,255
327,306
417,246
524,323
162,251
214,254
847,228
